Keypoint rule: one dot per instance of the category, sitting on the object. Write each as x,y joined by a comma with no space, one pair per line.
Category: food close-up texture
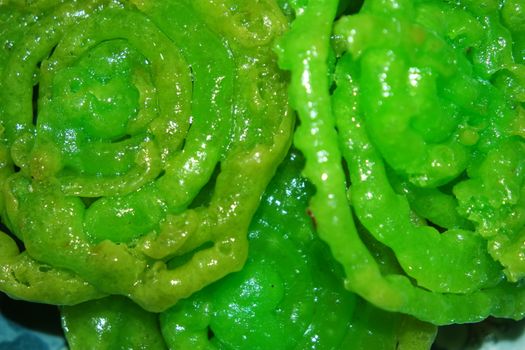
264,174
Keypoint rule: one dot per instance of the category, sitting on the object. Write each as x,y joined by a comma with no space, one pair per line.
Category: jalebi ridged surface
135,134
423,100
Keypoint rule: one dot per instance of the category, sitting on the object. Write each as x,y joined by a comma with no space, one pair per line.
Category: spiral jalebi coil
412,129
137,138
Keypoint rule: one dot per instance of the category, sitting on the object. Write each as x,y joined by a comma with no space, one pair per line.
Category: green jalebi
110,133
429,131
149,188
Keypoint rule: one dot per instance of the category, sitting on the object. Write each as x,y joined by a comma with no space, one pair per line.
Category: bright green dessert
426,111
145,143
149,186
